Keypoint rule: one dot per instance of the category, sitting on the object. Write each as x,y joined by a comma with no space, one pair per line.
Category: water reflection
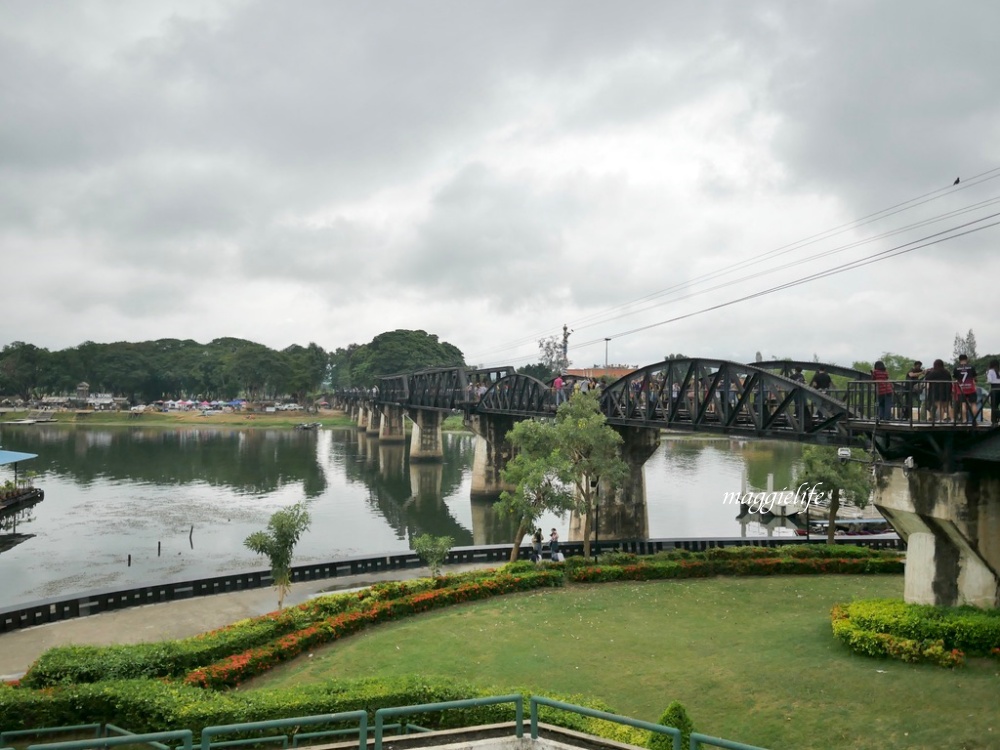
115,493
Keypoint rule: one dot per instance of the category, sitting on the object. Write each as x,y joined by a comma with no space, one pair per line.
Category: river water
127,506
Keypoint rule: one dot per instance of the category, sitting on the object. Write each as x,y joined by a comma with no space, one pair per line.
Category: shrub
675,716
916,633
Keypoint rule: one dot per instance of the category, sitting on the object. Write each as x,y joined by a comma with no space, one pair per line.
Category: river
127,506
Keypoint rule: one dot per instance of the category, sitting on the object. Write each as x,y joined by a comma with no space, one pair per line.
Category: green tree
540,474
284,530
399,351
433,550
21,369
578,449
835,479
539,371
966,345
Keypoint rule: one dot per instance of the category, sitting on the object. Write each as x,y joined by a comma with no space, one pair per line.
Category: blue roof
12,457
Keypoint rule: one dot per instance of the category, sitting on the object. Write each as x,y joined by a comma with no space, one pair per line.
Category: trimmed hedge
917,633
268,637
746,566
150,705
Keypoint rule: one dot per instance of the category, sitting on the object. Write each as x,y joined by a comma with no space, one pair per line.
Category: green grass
752,659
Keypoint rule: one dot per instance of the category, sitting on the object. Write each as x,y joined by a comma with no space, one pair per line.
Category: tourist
913,376
797,376
821,381
883,392
554,544
938,392
965,378
993,378
557,385
536,550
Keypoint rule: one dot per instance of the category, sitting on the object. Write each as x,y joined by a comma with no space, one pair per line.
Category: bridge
945,501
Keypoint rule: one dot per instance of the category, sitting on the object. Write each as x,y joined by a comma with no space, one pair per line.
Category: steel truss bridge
757,400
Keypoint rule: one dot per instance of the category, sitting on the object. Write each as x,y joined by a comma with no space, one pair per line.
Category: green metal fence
359,720
537,701
703,740
383,713
183,736
285,731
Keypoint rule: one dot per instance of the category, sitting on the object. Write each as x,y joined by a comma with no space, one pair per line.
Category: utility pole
606,355
565,346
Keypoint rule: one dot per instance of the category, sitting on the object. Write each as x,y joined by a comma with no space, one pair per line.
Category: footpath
177,619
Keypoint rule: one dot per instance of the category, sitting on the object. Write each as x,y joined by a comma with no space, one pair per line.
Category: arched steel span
787,366
438,388
714,395
704,395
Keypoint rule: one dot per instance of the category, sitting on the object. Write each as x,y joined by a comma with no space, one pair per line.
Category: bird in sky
957,180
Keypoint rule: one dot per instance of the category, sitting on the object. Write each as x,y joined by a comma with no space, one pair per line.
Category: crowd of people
936,394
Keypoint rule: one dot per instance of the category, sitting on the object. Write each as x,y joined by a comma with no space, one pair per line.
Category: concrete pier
951,524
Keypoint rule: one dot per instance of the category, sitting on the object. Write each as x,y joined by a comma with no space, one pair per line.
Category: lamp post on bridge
606,355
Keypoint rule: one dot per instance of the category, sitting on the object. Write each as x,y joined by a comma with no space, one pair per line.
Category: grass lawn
752,659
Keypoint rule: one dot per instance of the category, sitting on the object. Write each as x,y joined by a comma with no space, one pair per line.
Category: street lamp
606,355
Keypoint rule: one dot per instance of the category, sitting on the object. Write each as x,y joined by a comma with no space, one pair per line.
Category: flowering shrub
916,633
239,667
76,664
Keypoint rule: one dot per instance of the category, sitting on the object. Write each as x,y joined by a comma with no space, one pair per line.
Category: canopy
12,457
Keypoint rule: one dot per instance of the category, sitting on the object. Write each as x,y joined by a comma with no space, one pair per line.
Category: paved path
178,619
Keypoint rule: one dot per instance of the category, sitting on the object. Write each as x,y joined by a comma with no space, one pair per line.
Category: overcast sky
295,172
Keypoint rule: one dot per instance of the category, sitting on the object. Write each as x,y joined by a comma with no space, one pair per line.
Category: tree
433,550
284,529
540,474
966,345
834,478
551,354
562,464
539,371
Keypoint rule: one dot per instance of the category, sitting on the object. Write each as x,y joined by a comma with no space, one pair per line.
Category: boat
308,426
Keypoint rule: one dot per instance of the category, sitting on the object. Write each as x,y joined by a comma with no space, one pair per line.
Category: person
912,377
883,392
536,545
965,379
557,384
797,376
554,544
821,381
938,382
993,378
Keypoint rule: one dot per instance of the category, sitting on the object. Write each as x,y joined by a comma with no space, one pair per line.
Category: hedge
317,621
917,633
746,566
151,705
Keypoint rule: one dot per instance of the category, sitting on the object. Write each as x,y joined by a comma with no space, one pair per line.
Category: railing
517,700
359,728
184,736
358,719
923,403
95,602
537,701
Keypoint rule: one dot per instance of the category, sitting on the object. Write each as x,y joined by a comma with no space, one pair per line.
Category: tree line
223,369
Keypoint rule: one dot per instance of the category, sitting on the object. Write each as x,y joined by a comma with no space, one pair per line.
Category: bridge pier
362,418
391,428
951,524
373,426
425,439
623,513
492,453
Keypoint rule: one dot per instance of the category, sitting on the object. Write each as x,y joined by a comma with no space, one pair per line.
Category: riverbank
195,418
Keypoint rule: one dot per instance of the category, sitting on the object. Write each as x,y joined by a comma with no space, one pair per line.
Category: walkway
178,619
